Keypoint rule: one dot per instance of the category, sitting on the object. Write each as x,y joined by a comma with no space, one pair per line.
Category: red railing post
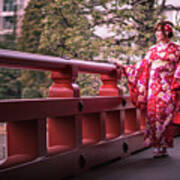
109,86
62,131
111,120
64,83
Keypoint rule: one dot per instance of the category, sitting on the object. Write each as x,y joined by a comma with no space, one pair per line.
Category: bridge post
64,83
111,120
109,86
62,131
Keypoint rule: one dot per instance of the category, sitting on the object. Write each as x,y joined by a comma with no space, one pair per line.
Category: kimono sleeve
176,79
137,76
175,87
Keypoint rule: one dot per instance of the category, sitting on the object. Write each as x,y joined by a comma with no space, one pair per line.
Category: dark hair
161,25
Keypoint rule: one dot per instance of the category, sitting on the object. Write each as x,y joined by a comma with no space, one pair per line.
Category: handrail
16,59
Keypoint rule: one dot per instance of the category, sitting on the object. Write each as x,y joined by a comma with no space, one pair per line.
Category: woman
153,83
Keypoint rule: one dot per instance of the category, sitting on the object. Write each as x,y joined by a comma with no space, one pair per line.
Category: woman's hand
117,63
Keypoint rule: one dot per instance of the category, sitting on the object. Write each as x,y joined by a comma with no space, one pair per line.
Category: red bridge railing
65,134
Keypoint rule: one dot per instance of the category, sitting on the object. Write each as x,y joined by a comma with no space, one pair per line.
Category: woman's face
159,35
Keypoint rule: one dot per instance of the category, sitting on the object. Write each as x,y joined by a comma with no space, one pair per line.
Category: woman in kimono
153,85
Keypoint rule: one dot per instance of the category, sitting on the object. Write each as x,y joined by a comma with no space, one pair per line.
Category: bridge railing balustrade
67,132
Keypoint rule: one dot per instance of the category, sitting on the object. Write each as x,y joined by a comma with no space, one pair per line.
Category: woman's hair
166,27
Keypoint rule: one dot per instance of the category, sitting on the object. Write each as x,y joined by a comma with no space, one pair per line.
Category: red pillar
109,86
111,120
64,84
62,131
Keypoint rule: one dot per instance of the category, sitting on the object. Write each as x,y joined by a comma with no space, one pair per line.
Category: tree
34,83
70,28
32,26
10,84
67,31
89,84
9,78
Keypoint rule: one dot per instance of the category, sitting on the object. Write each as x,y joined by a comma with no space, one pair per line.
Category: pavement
139,166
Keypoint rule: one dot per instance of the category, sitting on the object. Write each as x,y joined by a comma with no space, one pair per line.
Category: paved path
140,166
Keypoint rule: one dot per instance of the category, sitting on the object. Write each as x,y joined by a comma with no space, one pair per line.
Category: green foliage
34,83
9,78
89,84
10,84
67,31
32,26
7,41
70,28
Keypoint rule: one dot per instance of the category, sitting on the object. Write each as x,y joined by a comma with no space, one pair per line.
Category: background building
9,9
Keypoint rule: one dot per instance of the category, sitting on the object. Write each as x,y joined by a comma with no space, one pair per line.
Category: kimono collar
164,45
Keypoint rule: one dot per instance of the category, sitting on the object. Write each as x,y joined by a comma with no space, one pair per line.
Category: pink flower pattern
152,83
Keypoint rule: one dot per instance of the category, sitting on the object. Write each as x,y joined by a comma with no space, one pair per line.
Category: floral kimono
152,83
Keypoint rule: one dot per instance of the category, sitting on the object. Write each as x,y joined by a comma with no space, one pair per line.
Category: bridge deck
140,166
